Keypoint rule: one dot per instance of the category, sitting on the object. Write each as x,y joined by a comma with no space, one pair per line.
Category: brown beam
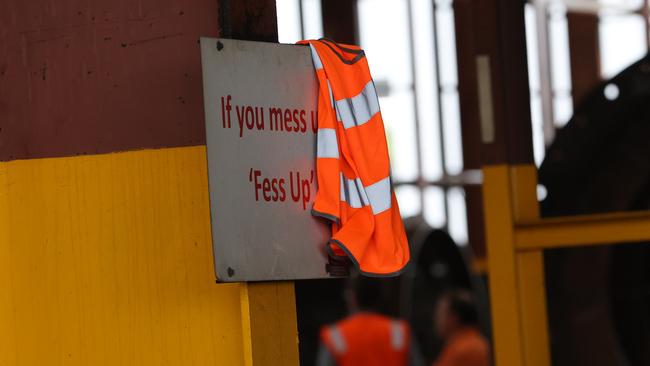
584,54
467,82
470,120
340,20
514,103
253,20
72,81
493,94
493,81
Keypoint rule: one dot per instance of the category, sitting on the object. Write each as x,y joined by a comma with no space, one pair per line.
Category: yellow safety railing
516,238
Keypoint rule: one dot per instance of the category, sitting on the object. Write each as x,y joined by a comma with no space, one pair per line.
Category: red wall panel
85,77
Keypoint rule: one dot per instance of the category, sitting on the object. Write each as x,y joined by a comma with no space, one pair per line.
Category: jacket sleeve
462,357
415,356
324,357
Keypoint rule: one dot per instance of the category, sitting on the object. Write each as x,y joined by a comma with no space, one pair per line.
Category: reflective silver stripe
353,193
396,335
359,109
314,56
329,89
379,195
337,340
326,143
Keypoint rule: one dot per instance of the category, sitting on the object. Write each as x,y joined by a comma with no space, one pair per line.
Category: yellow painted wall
107,260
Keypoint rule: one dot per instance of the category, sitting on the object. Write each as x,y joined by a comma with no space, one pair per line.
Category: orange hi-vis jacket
466,348
368,339
353,167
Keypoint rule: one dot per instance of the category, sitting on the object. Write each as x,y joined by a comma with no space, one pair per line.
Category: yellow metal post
107,260
516,238
270,335
530,270
502,278
532,306
516,279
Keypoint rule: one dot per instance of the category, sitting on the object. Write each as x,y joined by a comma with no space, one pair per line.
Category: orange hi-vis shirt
368,339
353,167
466,348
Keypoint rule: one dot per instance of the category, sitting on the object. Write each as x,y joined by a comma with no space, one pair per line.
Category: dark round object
599,297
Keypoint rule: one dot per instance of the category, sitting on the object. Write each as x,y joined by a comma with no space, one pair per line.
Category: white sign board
260,116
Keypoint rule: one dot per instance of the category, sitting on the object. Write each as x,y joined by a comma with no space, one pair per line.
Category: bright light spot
622,42
426,90
434,207
611,91
312,19
457,215
401,134
539,149
532,47
288,21
558,29
563,109
446,44
408,198
536,113
452,133
387,49
542,193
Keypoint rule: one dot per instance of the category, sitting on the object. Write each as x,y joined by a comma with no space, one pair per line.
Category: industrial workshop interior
325,182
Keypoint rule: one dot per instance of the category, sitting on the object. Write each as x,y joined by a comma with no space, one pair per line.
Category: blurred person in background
456,322
366,336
